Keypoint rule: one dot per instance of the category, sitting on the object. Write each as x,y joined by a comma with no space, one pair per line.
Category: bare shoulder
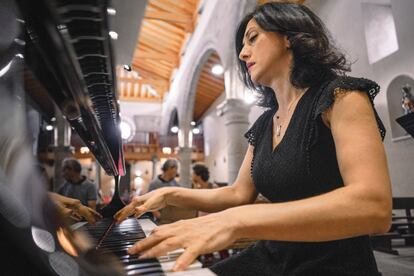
350,105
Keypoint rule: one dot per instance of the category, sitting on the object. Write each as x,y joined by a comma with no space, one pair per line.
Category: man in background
76,185
167,178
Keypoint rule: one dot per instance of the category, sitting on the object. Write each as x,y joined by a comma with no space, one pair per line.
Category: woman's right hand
150,202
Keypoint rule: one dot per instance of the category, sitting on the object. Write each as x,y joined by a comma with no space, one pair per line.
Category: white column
236,114
185,144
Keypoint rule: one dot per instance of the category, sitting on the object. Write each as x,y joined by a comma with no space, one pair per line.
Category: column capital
234,111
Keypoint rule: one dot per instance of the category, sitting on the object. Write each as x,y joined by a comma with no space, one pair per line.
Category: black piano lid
68,50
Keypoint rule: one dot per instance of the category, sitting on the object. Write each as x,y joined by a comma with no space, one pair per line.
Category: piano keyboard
116,239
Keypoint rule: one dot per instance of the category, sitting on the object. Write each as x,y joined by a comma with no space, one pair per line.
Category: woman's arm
212,200
208,200
362,206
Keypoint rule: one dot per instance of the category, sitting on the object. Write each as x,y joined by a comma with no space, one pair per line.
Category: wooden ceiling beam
173,43
166,6
212,83
146,74
209,87
157,67
157,56
187,6
169,26
150,40
169,17
156,28
162,83
212,78
149,47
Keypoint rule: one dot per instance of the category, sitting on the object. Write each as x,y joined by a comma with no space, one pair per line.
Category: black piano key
116,239
135,260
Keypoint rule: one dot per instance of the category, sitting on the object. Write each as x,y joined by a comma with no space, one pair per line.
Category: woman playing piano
316,154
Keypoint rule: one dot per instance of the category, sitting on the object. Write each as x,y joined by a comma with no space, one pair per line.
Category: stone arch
190,90
173,119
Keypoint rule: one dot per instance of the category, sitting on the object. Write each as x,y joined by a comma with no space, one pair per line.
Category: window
380,33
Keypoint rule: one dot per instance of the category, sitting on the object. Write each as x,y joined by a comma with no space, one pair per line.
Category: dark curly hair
201,171
315,58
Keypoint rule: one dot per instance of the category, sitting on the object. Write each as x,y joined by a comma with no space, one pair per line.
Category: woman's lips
250,65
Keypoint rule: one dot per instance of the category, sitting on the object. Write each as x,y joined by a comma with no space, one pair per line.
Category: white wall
344,19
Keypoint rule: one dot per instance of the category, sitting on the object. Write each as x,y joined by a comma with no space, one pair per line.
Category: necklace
279,126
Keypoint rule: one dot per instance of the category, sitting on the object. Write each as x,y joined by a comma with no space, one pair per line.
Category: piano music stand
407,123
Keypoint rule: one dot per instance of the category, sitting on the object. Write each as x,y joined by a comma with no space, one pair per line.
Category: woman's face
266,54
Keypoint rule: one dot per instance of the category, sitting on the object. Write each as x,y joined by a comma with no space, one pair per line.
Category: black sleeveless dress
303,165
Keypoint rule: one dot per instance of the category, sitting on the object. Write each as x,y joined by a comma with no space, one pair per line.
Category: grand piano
65,46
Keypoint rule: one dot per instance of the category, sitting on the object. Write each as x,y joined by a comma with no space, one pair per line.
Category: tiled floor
392,265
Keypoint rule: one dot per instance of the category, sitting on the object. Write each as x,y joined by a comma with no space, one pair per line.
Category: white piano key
167,262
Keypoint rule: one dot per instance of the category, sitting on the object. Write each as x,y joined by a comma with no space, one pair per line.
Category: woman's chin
256,81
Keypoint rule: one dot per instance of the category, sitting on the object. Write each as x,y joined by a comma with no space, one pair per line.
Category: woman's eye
252,38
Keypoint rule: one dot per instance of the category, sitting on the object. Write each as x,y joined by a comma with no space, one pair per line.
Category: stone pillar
154,160
185,143
236,114
185,166
62,147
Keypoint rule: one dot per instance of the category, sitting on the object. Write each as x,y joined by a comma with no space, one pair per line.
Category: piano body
63,44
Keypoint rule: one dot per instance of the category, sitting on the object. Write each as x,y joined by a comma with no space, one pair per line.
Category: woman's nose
243,54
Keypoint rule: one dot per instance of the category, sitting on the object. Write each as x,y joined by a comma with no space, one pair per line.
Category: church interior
123,86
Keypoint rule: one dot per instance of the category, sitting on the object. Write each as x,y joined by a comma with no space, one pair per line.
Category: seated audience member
200,177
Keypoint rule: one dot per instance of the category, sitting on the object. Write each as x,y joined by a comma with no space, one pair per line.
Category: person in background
76,185
200,177
167,178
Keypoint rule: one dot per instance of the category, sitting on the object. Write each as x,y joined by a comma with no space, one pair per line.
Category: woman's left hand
196,236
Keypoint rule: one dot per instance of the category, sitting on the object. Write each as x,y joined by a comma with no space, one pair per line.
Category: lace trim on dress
347,84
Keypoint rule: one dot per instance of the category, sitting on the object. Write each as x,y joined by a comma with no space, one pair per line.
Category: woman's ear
287,42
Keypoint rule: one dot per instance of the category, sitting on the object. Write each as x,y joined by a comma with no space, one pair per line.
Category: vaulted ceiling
165,29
